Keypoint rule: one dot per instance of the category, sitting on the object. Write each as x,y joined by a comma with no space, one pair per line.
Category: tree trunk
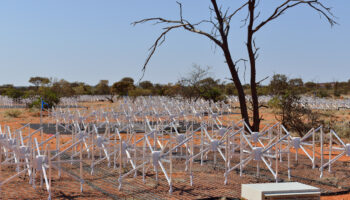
251,54
231,65
238,84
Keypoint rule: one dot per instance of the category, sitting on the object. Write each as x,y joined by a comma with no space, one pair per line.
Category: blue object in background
43,103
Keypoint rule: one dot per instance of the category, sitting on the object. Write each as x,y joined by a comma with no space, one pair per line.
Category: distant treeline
191,87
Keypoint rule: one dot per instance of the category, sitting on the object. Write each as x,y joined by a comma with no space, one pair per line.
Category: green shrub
13,113
323,94
48,96
14,93
293,115
274,102
342,129
212,93
34,111
139,92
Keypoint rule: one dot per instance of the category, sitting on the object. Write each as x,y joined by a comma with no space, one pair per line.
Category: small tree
62,88
336,91
210,90
310,85
128,80
123,87
14,93
230,89
278,84
296,82
158,89
49,96
102,88
289,111
190,84
294,116
139,92
146,85
39,81
172,90
82,89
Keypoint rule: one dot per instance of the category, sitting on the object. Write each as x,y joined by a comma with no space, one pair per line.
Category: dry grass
13,113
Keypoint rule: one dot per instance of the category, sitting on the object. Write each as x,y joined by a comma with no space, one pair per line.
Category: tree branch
315,4
182,23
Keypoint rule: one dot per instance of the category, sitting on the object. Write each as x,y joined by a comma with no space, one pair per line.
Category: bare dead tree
219,36
191,82
254,25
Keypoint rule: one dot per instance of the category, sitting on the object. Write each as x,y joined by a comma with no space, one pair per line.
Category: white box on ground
288,190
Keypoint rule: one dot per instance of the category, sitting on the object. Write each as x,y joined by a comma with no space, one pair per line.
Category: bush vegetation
196,84
342,129
13,113
287,106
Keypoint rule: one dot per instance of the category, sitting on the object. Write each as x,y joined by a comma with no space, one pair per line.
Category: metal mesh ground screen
208,182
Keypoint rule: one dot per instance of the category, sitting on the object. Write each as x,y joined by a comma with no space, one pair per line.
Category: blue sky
90,40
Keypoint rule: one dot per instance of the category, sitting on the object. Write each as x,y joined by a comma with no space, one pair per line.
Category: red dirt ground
68,188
